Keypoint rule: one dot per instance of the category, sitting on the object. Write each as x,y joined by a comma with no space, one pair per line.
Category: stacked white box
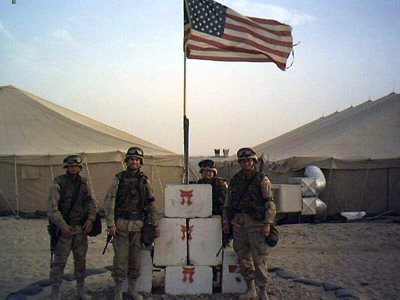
192,205
170,248
188,280
205,240
309,206
308,185
232,280
144,282
188,201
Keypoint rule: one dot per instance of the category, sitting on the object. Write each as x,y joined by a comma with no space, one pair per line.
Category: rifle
54,233
108,240
226,239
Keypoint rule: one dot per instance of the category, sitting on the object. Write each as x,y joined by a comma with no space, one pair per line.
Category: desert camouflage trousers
251,249
127,250
78,244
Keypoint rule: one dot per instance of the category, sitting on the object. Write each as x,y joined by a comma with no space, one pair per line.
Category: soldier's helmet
72,160
244,153
208,164
134,152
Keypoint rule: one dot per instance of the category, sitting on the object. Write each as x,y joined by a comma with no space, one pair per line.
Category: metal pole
185,125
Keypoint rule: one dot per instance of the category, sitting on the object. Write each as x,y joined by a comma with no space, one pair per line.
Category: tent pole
51,168
16,186
89,177
8,202
158,175
387,189
122,159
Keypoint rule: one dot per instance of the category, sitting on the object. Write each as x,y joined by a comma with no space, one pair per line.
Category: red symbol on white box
234,269
184,231
190,232
186,196
188,274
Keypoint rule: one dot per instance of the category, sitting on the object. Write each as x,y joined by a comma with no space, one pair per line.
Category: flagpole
185,125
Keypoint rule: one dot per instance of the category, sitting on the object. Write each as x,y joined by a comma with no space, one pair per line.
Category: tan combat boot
132,291
118,290
55,293
251,293
263,293
80,287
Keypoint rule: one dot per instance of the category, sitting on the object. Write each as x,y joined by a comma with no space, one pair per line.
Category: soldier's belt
131,217
79,222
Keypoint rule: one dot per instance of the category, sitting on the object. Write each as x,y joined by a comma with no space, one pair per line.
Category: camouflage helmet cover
244,153
207,164
134,152
72,160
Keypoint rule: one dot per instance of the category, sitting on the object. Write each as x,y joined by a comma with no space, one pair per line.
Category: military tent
358,149
35,137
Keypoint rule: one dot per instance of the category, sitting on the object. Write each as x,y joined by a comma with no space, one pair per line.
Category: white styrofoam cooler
170,248
232,280
144,282
205,239
188,201
188,280
308,185
287,197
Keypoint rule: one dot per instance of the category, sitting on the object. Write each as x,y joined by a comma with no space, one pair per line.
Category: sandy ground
353,260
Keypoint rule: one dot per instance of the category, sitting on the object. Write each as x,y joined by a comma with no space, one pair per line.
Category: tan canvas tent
358,150
35,137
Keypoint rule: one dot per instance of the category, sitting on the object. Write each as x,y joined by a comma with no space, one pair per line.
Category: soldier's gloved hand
87,227
225,228
113,230
266,229
67,231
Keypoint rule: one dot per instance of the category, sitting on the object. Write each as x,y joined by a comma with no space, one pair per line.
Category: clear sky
121,63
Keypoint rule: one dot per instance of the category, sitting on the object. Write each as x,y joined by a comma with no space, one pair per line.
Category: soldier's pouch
273,238
96,230
148,234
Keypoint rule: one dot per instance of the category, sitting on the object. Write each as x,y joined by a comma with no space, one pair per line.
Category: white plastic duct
315,172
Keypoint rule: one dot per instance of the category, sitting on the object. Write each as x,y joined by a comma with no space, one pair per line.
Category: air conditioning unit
288,198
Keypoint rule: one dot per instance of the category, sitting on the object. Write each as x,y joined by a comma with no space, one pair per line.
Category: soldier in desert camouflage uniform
250,209
129,202
73,210
208,171
219,186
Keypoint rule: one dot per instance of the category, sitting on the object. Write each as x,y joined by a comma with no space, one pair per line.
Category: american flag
216,32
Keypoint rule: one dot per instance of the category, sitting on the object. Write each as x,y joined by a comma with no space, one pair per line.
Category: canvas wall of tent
35,137
358,150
